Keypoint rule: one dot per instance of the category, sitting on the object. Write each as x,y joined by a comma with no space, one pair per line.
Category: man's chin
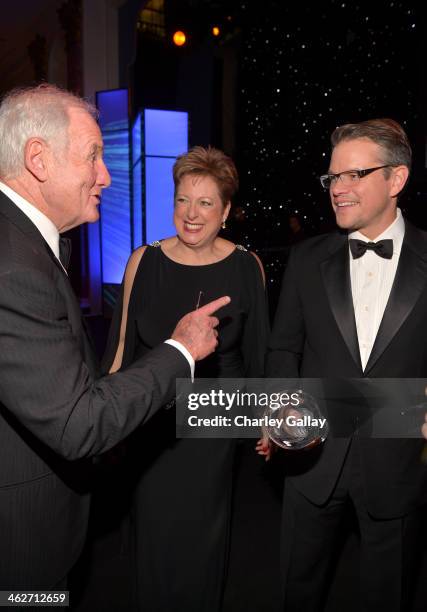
345,224
93,216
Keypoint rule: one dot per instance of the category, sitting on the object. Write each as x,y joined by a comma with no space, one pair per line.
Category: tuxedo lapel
336,279
409,283
79,326
40,247
18,218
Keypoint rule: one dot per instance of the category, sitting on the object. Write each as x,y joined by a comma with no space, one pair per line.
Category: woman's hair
40,111
387,133
201,161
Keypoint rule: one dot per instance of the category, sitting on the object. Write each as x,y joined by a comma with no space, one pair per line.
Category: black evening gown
181,503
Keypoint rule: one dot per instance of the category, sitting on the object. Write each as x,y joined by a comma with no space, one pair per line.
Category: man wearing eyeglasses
353,305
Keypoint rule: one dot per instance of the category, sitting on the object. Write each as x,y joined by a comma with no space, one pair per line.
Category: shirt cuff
186,354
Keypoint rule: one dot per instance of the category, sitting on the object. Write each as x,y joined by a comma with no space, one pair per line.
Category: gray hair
29,112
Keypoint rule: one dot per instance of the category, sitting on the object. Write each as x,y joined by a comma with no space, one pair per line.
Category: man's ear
398,179
35,158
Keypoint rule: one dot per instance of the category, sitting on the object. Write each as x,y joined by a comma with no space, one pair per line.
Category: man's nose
104,178
339,188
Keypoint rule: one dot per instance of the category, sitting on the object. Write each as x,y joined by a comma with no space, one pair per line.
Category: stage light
179,38
216,31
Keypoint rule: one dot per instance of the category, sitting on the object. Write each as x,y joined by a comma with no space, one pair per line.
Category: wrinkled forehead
80,118
83,130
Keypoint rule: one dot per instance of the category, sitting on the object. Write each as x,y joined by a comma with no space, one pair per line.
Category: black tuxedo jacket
314,336
54,410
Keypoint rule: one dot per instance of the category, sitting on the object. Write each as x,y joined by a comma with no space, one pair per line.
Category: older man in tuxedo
353,305
55,411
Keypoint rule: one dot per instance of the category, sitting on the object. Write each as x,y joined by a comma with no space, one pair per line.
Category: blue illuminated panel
166,136
115,208
137,187
115,219
138,238
136,140
159,198
113,109
138,207
166,133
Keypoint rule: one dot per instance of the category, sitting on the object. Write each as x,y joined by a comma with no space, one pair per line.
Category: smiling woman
199,211
183,487
205,181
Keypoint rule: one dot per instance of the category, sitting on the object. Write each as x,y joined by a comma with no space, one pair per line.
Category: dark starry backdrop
305,69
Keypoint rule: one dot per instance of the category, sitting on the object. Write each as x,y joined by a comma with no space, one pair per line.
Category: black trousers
311,535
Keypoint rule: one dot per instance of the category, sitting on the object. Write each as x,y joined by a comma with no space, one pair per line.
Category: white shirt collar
45,226
395,231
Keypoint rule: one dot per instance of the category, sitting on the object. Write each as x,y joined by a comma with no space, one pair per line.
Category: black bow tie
383,248
64,251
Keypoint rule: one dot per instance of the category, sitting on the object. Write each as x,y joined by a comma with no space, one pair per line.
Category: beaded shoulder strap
155,243
240,247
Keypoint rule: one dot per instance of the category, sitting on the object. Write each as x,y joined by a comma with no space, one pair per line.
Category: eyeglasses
349,177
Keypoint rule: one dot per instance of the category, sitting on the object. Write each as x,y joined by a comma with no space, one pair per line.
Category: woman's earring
223,224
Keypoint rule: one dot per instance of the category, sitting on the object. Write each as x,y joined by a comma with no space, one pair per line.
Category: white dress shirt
372,278
186,354
50,233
